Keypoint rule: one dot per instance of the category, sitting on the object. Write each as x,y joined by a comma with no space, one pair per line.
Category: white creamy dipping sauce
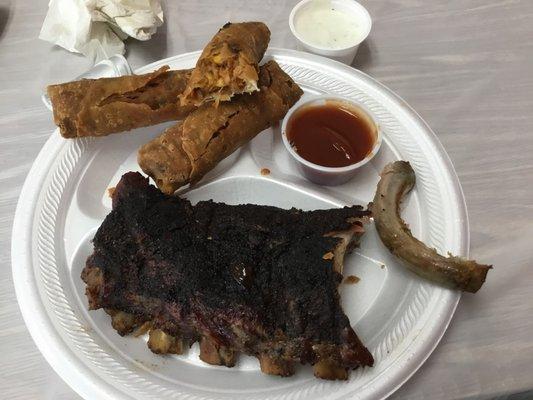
321,24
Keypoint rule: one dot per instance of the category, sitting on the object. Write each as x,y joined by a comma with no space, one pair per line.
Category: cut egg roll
228,64
185,152
99,107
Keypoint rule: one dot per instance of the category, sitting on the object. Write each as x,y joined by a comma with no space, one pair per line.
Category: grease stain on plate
351,280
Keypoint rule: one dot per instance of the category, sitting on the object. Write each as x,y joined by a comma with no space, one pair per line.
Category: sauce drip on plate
330,135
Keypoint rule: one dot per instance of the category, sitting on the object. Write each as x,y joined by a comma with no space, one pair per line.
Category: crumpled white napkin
97,28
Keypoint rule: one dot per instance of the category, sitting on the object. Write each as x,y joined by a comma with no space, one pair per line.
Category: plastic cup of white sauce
331,28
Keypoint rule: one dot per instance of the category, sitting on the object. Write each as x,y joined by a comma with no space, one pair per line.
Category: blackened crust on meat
246,278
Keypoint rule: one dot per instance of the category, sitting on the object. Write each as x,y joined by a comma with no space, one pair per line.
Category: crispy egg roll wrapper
185,152
99,107
228,64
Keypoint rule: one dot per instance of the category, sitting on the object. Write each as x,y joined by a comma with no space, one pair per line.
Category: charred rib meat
246,279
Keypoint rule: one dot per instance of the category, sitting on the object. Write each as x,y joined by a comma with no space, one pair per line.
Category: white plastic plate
399,317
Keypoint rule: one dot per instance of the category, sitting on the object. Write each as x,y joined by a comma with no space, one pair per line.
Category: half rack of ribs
246,279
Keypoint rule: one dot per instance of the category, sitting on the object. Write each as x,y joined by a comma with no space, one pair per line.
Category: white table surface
465,66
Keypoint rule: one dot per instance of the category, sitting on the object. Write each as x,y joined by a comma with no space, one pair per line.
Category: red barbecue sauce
330,135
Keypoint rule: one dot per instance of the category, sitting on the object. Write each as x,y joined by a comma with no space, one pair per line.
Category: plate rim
41,327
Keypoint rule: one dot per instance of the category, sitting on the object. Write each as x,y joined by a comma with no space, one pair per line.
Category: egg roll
99,107
228,64
185,152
